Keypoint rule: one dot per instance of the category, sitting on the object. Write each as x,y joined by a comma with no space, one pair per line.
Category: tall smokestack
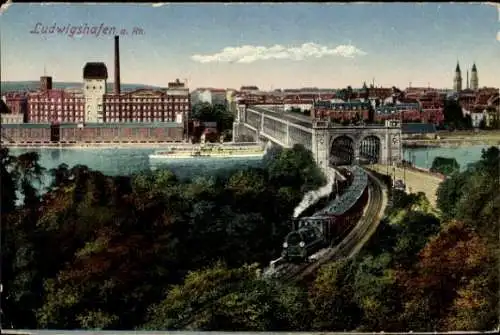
117,65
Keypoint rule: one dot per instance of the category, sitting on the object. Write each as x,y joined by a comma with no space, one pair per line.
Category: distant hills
9,86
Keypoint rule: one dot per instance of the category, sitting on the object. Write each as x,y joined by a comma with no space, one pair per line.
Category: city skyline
217,45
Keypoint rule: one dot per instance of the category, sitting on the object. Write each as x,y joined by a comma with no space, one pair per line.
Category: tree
453,114
213,113
219,298
446,166
482,124
413,234
296,167
22,262
471,193
350,93
376,294
342,94
451,259
8,182
247,183
467,122
449,192
331,298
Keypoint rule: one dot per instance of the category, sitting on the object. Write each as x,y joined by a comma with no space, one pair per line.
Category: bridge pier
357,150
243,133
321,146
287,139
236,131
384,155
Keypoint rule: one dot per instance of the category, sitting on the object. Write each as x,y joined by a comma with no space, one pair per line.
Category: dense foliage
454,117
151,252
97,251
219,113
445,165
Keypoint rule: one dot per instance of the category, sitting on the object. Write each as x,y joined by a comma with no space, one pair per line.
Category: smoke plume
312,197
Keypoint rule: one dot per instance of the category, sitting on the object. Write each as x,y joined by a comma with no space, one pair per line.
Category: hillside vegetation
151,252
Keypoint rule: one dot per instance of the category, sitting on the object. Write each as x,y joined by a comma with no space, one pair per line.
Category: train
328,226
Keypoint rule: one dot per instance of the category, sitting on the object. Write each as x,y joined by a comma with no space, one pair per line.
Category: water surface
126,161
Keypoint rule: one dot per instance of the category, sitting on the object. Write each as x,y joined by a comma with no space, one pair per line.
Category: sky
268,45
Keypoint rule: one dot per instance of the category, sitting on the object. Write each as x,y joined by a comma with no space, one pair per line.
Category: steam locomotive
328,226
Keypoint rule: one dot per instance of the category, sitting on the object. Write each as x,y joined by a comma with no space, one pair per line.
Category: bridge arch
493,100
370,149
342,150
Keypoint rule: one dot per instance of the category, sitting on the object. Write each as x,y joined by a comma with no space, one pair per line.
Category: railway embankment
416,180
350,245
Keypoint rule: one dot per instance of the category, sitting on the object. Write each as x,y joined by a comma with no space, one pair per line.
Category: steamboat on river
220,151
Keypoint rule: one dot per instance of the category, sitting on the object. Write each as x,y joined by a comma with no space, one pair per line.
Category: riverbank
450,143
455,139
416,180
109,145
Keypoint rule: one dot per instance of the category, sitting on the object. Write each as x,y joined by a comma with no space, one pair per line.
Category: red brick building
341,111
432,115
129,132
381,93
56,105
17,103
145,105
68,106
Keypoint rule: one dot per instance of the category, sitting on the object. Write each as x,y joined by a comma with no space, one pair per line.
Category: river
423,157
125,161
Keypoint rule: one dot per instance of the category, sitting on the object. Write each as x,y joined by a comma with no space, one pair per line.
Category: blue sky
268,45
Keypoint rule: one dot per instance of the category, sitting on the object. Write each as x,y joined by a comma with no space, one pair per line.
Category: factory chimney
117,65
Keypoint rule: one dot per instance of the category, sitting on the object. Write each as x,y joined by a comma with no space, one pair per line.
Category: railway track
350,245
347,248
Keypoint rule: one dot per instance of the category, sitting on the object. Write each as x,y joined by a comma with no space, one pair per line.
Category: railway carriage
328,226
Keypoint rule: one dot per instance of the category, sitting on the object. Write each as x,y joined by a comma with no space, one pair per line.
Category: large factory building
94,115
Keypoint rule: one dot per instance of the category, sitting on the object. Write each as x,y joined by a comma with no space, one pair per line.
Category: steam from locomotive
327,226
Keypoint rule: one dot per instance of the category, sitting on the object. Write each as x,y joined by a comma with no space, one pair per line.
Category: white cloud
159,4
4,7
250,53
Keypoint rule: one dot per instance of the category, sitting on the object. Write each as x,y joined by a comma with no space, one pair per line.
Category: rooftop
418,128
96,70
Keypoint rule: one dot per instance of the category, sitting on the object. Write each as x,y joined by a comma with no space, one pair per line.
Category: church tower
474,80
457,81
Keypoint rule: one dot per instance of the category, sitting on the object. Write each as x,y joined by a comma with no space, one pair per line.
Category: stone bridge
330,144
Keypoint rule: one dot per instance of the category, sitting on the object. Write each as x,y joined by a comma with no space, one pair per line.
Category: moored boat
209,152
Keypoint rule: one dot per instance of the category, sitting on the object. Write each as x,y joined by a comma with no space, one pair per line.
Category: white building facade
95,77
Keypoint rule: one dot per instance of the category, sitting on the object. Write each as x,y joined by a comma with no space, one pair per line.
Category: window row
166,107
59,100
58,113
156,119
138,114
60,119
59,107
152,100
